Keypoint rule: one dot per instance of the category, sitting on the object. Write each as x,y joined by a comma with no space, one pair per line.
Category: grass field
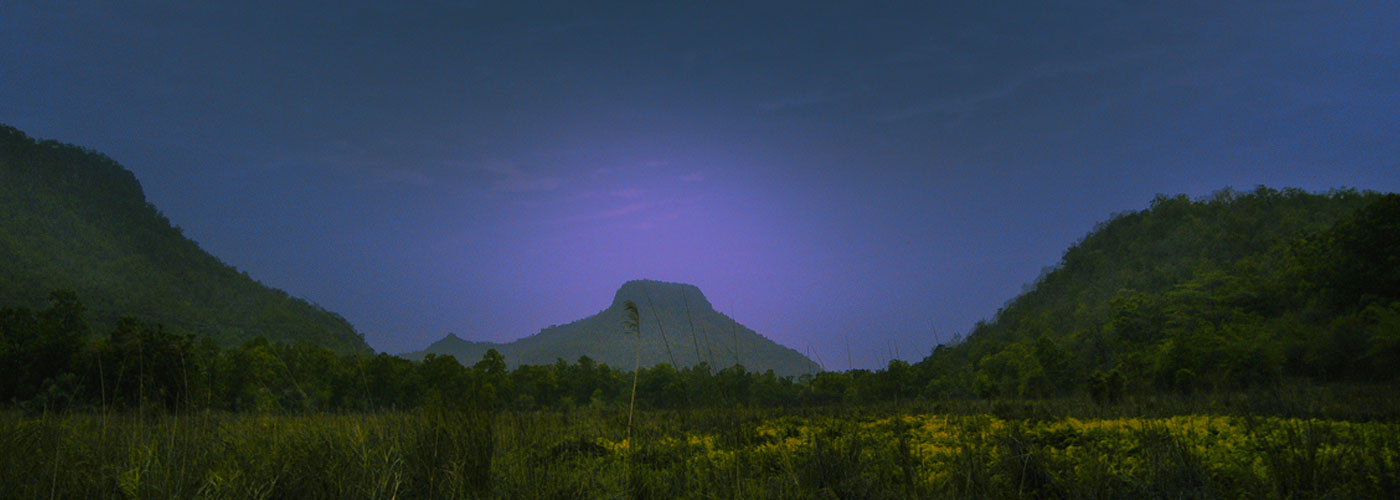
972,450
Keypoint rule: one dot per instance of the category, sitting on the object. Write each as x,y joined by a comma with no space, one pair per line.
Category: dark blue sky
822,171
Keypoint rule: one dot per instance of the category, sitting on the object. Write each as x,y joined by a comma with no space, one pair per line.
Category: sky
882,176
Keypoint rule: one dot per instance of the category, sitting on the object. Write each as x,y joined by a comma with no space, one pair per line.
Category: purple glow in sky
824,172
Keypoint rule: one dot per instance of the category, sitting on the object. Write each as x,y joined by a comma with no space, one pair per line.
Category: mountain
678,327
72,218
1233,290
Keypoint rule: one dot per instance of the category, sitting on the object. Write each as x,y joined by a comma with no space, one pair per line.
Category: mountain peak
678,327
652,293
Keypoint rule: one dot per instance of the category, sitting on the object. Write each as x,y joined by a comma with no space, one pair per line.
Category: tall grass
410,455
856,452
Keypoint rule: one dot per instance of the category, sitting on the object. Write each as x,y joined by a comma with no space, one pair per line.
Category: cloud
627,168
959,107
695,176
357,161
920,54
623,210
402,176
629,193
797,100
508,178
655,220
601,194
611,213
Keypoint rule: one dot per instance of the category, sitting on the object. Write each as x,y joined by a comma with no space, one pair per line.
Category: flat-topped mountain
679,326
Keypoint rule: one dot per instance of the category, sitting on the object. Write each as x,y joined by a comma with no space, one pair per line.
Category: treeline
1233,291
52,360
1238,291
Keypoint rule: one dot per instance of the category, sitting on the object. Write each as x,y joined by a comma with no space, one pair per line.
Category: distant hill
1233,290
72,218
679,327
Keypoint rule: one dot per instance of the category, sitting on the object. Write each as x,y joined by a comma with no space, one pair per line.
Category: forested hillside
74,219
1231,291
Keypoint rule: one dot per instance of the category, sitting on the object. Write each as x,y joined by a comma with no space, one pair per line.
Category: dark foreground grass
410,455
943,450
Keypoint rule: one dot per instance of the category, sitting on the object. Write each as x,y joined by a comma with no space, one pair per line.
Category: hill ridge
73,218
1228,291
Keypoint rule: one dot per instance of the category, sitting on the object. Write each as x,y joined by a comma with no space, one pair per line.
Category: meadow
969,449
1272,377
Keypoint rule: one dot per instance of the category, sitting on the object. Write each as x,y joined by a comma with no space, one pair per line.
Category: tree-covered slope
74,219
1235,289
679,327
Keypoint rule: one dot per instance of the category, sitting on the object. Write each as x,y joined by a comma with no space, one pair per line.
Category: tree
1357,262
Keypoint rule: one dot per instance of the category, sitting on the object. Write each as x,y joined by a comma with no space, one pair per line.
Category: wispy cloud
961,106
920,54
510,178
655,220
624,210
957,107
695,176
797,100
627,168
611,212
401,175
628,193
605,194
358,162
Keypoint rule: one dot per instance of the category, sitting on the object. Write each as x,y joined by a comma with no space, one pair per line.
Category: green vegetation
153,415
74,219
1239,346
1238,292
418,455
914,452
1235,291
55,361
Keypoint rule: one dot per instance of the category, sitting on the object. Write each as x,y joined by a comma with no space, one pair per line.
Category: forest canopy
1235,290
